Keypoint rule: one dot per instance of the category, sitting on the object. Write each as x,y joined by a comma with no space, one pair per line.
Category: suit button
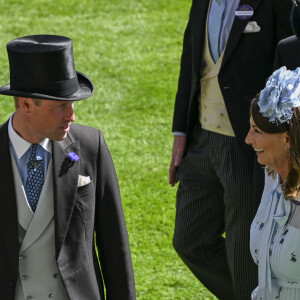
51,296
56,275
24,277
29,298
21,257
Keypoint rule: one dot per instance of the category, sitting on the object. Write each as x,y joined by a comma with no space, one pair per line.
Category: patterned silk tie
35,177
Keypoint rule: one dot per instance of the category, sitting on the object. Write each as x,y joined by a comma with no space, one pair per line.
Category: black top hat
42,66
295,18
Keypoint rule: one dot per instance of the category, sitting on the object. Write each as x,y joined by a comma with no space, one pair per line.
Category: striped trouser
215,194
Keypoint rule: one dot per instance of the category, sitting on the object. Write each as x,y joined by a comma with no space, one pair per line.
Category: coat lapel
198,30
65,180
237,29
8,211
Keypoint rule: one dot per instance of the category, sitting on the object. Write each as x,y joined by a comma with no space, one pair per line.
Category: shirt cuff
179,133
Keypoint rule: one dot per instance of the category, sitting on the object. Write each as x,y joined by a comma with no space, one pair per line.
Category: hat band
57,89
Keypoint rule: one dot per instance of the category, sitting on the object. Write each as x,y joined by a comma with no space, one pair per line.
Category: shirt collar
20,145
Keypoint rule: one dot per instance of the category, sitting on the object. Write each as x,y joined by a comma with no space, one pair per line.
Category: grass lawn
131,50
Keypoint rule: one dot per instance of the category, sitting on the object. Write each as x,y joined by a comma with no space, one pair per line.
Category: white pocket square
252,27
83,180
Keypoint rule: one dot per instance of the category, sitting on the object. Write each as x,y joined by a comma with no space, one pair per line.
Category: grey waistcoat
39,277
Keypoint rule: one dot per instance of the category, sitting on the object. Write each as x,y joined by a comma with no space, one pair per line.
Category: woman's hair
292,127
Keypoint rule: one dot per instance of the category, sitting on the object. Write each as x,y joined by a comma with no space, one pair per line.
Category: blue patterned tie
214,28
35,177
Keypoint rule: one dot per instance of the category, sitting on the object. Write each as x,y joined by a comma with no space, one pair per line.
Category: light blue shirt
20,150
227,20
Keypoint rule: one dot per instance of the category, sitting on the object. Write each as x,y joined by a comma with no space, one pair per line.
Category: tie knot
33,149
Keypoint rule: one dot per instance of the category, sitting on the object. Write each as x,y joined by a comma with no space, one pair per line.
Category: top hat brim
85,90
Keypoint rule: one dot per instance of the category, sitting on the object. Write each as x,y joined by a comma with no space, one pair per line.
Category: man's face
51,119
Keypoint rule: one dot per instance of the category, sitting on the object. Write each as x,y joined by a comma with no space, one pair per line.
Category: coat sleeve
184,84
282,13
111,232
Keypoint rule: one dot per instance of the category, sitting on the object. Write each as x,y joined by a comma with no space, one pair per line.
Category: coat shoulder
85,133
287,53
291,41
3,125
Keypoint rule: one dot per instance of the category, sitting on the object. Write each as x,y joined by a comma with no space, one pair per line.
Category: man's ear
25,104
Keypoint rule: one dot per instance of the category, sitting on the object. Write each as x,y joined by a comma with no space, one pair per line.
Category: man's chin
60,138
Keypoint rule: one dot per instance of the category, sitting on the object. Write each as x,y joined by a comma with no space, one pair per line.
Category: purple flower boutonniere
68,163
73,156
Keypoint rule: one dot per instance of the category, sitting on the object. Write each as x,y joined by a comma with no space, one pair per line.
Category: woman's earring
288,152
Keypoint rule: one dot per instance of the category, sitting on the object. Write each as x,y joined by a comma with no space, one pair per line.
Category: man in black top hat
60,194
288,49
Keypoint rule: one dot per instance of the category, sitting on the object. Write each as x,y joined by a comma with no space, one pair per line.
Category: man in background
228,53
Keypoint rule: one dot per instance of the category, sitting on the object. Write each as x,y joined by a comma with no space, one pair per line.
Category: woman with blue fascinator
275,232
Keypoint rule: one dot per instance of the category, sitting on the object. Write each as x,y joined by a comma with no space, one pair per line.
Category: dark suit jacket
288,53
247,62
79,212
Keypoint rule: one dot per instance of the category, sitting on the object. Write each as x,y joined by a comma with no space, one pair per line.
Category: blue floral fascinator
280,95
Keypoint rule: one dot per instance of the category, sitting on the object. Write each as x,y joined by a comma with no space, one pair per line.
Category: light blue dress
275,247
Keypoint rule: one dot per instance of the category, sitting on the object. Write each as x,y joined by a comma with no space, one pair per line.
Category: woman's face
271,149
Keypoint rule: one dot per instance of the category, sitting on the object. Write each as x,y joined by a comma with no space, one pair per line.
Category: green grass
131,50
